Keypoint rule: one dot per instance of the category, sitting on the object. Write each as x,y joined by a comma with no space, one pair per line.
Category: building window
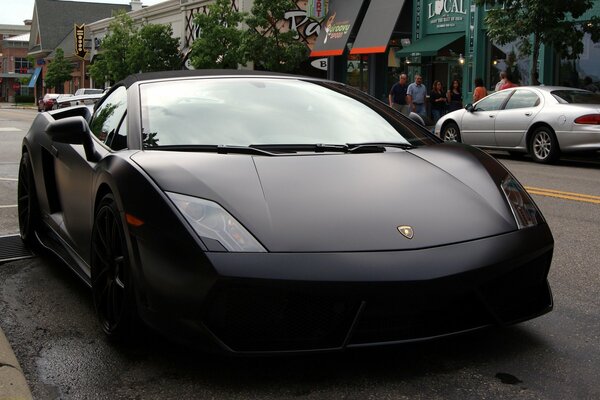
22,65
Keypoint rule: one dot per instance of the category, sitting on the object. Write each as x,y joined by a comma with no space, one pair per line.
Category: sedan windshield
268,111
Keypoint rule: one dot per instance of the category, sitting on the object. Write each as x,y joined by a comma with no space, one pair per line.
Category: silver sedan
543,121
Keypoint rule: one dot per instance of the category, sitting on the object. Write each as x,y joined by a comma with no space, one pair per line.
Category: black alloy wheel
450,132
543,145
27,203
112,287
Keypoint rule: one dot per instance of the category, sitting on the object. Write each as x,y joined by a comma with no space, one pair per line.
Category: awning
377,27
429,45
338,25
34,77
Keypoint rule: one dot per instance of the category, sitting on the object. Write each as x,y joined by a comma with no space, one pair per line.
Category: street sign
80,50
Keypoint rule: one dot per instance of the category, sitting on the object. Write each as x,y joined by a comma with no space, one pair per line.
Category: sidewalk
22,106
13,385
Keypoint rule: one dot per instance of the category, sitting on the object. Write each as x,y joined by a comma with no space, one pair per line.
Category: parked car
47,102
83,91
543,121
84,99
258,213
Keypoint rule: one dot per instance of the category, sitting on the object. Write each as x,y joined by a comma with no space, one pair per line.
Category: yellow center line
585,198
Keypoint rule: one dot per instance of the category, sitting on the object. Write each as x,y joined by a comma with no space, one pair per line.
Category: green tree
533,22
58,72
127,50
114,49
218,45
153,48
268,42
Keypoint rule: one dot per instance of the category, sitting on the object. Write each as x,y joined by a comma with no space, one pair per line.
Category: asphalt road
47,314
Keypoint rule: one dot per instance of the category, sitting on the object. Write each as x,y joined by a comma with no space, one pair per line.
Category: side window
523,99
108,124
493,102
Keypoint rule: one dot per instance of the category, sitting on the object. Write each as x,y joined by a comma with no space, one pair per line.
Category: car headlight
523,208
211,221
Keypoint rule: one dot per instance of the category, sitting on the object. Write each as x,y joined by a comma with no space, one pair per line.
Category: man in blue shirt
397,96
415,96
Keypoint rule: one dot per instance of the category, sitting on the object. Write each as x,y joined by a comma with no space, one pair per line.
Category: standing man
397,96
415,96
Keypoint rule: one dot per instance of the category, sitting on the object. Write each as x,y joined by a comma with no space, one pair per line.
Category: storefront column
377,75
337,68
547,64
477,60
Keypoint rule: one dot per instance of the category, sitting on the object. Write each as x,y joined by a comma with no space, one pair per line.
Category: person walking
480,91
397,95
509,82
502,81
454,96
437,101
415,96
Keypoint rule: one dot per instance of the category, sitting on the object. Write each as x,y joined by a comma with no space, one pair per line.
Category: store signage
16,86
317,8
80,50
319,63
445,15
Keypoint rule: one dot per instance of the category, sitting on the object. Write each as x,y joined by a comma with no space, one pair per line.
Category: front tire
112,282
543,145
27,203
450,132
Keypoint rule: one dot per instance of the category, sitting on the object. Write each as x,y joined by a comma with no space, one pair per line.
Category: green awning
430,45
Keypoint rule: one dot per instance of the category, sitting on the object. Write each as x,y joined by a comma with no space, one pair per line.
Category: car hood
345,202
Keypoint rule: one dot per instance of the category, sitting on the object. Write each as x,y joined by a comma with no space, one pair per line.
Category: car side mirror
469,107
73,130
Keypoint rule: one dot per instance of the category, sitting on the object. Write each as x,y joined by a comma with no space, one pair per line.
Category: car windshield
268,111
574,96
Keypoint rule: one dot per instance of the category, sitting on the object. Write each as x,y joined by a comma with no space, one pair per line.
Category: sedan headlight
523,208
211,221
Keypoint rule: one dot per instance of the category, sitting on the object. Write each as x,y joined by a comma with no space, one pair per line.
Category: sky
14,12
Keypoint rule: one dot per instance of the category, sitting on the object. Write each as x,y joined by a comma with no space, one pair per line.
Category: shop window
573,72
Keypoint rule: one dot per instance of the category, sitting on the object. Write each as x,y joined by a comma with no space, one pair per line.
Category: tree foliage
58,72
536,22
127,49
153,48
268,42
219,43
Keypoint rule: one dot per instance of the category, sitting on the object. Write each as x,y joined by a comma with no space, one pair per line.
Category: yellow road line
585,198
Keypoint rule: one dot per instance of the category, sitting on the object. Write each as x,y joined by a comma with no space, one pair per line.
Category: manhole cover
12,248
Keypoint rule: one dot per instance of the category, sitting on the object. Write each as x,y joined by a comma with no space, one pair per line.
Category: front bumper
273,302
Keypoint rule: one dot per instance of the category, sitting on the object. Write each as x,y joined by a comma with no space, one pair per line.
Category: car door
513,122
75,173
477,127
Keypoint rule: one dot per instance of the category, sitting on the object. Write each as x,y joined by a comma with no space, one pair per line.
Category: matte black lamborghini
257,213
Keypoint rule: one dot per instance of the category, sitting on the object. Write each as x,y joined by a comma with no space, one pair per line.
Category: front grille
270,317
522,293
277,319
417,312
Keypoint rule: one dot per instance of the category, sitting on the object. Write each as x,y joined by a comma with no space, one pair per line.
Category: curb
13,385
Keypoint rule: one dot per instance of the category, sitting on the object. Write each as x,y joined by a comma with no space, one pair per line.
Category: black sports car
256,213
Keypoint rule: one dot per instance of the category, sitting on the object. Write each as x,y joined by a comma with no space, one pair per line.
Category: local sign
80,50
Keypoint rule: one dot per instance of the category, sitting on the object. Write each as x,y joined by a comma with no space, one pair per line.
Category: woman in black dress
454,96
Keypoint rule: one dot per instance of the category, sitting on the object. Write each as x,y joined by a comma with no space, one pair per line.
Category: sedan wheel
28,209
450,133
111,274
543,145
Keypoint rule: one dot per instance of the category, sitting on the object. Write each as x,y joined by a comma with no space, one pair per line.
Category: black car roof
131,79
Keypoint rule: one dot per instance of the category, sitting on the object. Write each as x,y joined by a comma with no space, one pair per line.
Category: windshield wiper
294,148
374,147
216,148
